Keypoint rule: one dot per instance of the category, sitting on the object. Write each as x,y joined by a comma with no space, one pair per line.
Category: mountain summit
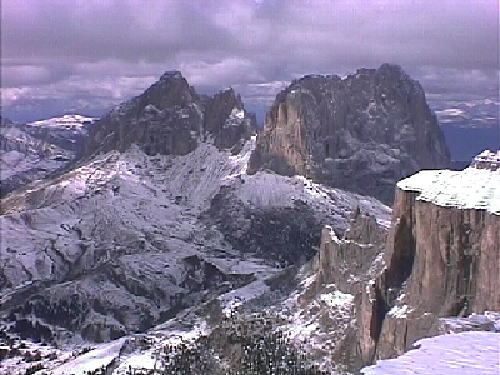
362,133
171,118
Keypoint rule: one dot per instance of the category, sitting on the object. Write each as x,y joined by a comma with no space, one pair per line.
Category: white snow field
466,353
471,188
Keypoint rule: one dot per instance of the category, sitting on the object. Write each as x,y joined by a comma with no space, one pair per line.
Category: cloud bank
88,55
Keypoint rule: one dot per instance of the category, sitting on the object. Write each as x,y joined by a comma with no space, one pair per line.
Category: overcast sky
87,55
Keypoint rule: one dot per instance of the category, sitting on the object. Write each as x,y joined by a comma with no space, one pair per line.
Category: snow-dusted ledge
472,188
467,353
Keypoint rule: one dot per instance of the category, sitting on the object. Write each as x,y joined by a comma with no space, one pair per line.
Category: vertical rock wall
362,133
440,261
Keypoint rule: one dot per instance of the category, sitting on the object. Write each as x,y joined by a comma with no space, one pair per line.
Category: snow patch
66,121
472,188
467,353
101,356
337,298
400,312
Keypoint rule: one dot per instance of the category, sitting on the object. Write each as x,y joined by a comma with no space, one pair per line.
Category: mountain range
176,236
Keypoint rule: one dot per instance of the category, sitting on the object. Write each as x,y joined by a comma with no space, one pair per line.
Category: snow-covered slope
158,231
73,122
467,353
126,241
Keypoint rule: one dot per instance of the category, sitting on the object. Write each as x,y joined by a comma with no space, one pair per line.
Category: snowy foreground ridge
467,353
472,188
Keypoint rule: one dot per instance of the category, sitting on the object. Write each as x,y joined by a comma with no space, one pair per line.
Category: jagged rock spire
171,118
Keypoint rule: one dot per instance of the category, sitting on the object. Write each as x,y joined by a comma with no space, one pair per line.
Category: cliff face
345,262
171,118
442,259
374,125
341,268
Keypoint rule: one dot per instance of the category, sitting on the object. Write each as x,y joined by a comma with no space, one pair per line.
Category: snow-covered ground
138,220
487,159
467,353
471,188
272,190
23,152
14,162
101,356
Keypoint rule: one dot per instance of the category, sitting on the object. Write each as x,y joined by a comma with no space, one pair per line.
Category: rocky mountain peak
170,90
171,118
374,125
390,69
171,74
487,160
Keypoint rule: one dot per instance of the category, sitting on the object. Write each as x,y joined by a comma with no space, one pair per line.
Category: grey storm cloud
99,52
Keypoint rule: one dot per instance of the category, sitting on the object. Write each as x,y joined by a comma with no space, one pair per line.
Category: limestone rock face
361,133
170,118
442,259
345,262
341,268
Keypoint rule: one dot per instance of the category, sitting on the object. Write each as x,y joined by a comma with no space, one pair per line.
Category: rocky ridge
374,125
170,118
435,264
441,259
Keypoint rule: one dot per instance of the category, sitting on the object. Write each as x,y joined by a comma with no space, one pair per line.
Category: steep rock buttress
442,258
362,133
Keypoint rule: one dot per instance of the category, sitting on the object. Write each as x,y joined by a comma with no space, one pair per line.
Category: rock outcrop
363,133
170,118
346,262
442,259
325,304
